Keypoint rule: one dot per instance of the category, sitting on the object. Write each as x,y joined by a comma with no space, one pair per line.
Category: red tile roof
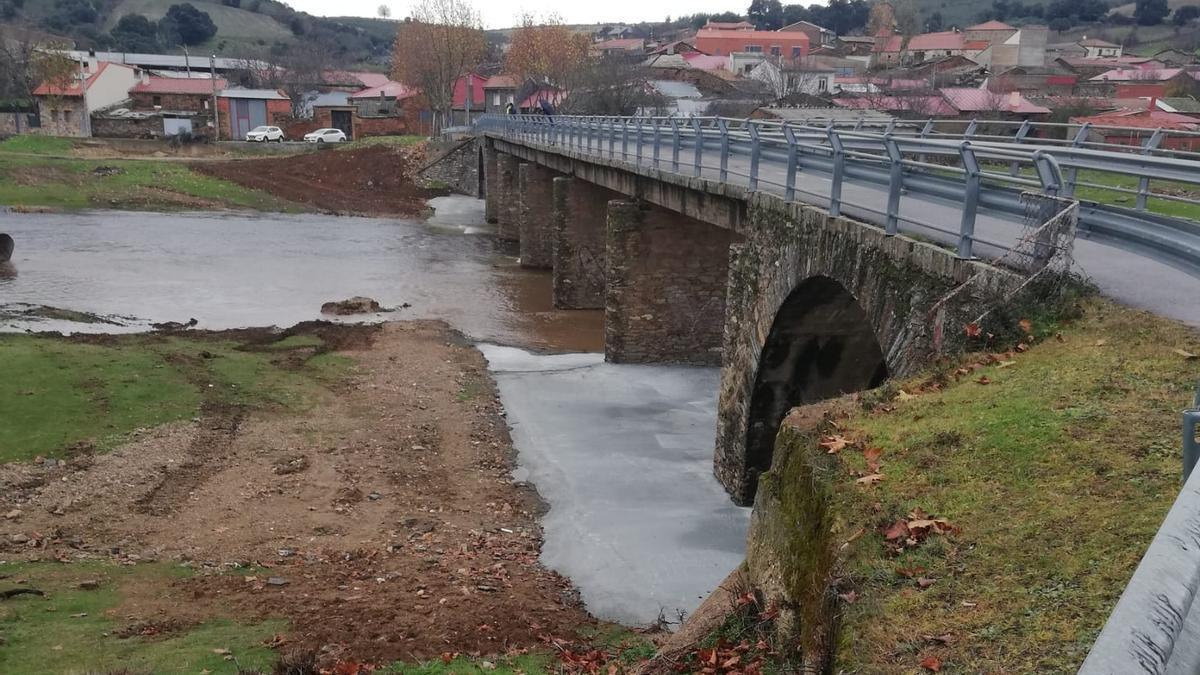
73,89
976,45
178,85
991,25
924,105
949,39
981,100
1138,75
1142,119
390,89
625,44
500,82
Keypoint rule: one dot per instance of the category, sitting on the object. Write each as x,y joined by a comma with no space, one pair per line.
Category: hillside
244,27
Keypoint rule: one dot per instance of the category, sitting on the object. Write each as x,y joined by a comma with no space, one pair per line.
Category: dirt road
382,524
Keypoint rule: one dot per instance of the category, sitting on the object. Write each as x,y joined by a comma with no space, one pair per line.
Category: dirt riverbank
372,180
381,523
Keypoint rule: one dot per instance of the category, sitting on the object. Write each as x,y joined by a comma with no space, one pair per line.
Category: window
205,102
822,84
775,50
66,117
496,98
156,101
754,49
797,52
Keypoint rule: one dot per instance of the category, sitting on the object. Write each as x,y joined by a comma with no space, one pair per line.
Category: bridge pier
491,183
535,215
579,227
507,197
667,278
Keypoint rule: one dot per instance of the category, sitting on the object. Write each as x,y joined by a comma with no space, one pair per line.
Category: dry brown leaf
1026,326
869,479
972,329
932,664
984,379
834,444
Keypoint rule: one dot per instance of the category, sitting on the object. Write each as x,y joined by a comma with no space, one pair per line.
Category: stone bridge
794,305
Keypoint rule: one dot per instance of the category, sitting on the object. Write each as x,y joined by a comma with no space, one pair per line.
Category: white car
326,136
264,134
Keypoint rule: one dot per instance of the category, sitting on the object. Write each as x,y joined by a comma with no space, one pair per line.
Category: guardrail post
1014,167
966,228
971,129
895,184
755,153
1144,182
792,164
638,149
657,140
1069,181
927,129
674,144
723,125
588,123
839,166
698,139
624,139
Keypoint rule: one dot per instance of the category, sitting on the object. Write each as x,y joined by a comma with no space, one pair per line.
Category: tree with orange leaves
546,51
437,44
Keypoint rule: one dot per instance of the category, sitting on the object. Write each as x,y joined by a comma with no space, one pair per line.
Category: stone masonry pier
795,305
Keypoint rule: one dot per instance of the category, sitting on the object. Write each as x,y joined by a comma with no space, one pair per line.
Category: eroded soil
383,523
372,181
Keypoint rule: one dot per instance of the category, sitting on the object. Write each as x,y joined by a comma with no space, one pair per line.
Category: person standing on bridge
510,108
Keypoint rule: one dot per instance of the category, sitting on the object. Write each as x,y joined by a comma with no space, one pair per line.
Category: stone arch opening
821,345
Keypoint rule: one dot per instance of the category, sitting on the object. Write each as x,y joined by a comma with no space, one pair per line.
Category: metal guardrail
969,172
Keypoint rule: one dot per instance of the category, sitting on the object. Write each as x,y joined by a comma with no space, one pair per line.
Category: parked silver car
326,136
264,134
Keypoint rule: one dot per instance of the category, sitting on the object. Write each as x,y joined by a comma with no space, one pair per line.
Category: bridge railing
969,173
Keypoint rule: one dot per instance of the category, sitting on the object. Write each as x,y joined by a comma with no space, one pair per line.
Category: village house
499,91
67,110
469,99
390,109
618,47
818,36
723,42
1132,127
1095,48
1140,82
162,106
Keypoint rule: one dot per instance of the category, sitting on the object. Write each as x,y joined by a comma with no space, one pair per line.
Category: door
247,114
176,125
341,119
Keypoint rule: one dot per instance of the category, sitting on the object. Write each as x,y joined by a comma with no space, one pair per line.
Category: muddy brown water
237,270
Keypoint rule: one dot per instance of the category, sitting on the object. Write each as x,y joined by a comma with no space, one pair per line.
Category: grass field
66,392
1055,466
38,171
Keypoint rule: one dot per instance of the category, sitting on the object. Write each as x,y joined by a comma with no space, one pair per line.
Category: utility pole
212,70
187,63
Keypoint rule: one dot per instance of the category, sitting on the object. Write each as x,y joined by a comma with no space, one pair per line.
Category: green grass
1058,473
38,171
77,631
1100,195
61,392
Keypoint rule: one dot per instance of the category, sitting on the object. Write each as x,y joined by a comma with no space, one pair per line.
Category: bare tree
435,46
612,86
384,12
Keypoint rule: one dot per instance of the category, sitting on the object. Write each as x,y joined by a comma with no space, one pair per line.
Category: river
622,454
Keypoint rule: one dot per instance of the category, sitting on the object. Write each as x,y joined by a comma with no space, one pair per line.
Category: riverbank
372,177
340,491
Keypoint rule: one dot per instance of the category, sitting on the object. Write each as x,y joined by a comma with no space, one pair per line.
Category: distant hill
243,26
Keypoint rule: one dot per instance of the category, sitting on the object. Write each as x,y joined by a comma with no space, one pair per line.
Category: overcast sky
504,13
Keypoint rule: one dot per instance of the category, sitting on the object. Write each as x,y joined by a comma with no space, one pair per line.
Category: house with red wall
240,110
788,45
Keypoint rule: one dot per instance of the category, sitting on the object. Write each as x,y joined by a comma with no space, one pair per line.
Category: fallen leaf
1026,326
898,530
972,330
1185,354
904,396
984,379
834,444
221,652
925,582
872,456
870,479
1006,364
910,572
931,663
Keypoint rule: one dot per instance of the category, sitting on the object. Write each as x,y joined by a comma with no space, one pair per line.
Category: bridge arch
821,344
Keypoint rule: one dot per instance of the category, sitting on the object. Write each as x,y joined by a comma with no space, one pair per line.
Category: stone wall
667,277
908,294
507,199
579,233
535,215
455,164
189,102
491,182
